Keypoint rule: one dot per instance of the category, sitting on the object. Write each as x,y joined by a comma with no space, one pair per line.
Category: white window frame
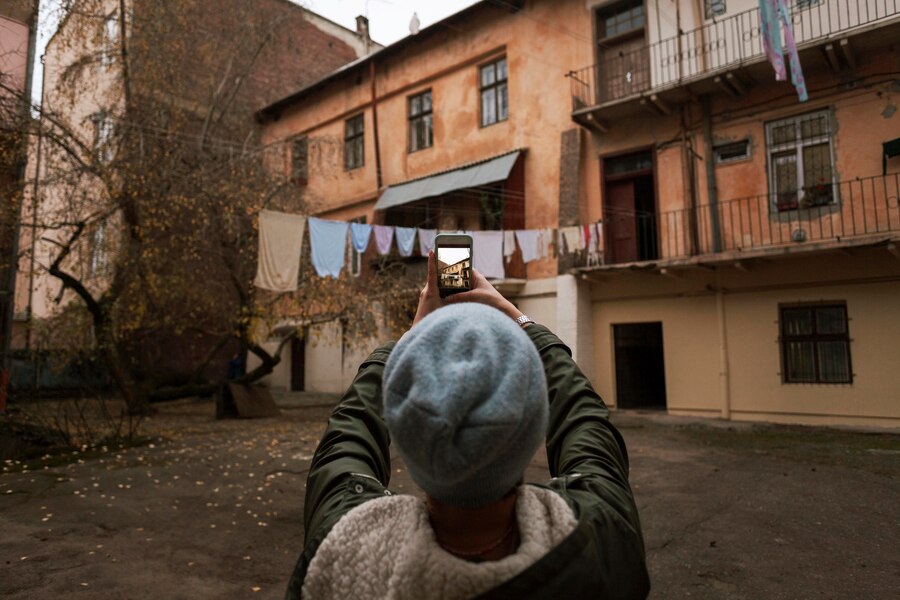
99,256
103,136
797,145
110,39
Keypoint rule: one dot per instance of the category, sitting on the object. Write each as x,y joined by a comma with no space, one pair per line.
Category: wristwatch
524,320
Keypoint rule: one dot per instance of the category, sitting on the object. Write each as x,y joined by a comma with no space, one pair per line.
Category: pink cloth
384,236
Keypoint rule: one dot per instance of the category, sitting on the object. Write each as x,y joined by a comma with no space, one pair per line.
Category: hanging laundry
572,238
529,242
328,244
280,247
426,240
509,244
359,235
594,246
487,248
406,237
545,241
384,235
771,14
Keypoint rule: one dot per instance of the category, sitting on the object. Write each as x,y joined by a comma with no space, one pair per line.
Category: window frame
110,39
709,9
717,148
815,338
104,132
355,137
413,120
494,86
98,255
797,145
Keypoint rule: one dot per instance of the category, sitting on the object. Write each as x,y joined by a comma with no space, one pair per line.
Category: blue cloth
328,244
360,234
406,237
465,402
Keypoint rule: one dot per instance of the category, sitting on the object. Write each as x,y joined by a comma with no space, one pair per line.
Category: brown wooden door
622,224
623,61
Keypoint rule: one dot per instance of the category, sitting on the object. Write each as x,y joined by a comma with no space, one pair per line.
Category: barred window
815,344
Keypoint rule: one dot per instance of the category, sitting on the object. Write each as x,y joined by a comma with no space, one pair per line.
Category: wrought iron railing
856,208
716,46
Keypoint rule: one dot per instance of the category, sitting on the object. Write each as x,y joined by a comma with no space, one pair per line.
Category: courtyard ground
213,509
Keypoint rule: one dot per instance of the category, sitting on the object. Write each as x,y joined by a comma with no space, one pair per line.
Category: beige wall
868,281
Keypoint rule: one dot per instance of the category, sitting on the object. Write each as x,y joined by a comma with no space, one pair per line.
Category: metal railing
855,208
716,46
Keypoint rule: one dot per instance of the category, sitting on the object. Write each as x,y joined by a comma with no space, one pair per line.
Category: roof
274,110
483,172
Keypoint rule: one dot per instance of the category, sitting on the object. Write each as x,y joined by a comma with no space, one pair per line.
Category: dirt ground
213,509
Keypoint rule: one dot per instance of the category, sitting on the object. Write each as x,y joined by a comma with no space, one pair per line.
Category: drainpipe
724,375
34,208
689,177
711,188
375,124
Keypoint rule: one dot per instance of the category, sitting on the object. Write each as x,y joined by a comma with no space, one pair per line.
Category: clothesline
281,243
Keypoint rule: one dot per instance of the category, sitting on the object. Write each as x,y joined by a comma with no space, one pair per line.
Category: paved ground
214,510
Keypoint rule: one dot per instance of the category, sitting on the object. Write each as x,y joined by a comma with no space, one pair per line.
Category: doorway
298,364
640,366
629,208
623,60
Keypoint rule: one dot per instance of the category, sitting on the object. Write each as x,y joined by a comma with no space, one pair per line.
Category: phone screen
454,267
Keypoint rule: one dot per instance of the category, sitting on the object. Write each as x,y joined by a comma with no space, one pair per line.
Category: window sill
417,150
485,126
793,215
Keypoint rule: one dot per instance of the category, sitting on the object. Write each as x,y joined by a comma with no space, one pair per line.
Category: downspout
689,176
34,209
375,126
711,188
724,375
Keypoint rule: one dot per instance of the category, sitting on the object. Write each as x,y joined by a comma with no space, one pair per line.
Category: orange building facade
748,268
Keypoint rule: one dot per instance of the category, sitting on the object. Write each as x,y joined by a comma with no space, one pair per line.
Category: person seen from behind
466,397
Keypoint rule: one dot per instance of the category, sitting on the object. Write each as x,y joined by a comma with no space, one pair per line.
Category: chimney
362,27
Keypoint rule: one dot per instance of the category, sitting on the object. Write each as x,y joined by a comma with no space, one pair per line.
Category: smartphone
453,261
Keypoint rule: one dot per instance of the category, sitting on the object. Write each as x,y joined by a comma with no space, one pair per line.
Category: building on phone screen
457,275
748,265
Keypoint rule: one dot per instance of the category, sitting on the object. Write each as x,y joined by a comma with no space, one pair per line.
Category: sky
388,20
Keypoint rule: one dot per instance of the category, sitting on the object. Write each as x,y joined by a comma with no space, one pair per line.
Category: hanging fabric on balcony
509,244
529,242
327,243
773,15
406,237
280,246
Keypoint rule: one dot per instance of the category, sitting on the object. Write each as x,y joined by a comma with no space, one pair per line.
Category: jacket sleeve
356,442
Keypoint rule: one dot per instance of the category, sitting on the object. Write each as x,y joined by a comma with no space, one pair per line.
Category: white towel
509,244
487,248
280,247
529,242
426,240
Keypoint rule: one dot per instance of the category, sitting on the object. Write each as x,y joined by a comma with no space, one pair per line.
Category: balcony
726,55
855,212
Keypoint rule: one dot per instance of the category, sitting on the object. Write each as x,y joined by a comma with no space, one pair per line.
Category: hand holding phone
453,263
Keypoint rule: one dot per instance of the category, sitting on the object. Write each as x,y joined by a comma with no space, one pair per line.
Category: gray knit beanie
465,402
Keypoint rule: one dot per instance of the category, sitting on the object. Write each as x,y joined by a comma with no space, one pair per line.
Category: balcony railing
858,209
717,46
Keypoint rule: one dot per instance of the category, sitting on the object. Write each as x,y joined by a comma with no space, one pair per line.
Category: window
355,257
714,8
494,93
98,260
300,161
622,18
801,161
815,344
111,39
103,137
354,151
421,123
732,152
804,4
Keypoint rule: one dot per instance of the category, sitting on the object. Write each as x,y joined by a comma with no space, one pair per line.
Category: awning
484,172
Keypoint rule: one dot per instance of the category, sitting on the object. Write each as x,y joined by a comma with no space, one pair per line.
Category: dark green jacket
602,558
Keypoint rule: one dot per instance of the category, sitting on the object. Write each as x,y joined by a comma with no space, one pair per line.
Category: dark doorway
623,61
640,367
298,364
629,207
